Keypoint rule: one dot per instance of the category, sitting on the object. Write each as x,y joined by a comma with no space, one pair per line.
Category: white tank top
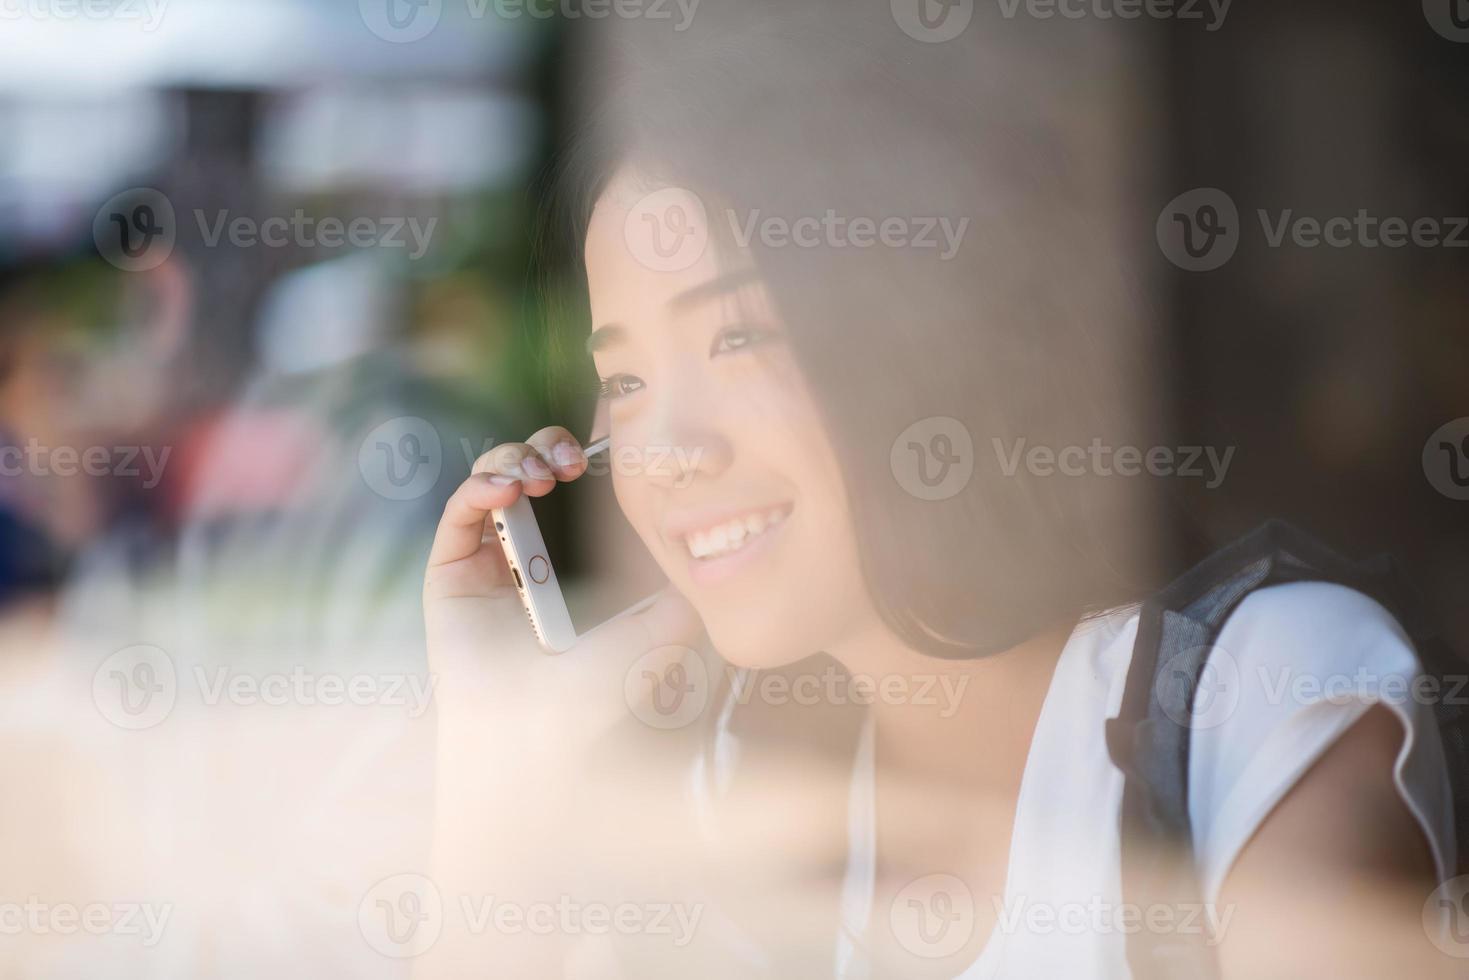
1295,666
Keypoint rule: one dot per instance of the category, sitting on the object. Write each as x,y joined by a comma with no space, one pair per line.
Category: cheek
770,415
640,504
633,499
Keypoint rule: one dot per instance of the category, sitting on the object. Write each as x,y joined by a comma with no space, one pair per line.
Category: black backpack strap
1149,739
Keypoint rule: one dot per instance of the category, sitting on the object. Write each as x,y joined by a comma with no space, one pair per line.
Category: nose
686,433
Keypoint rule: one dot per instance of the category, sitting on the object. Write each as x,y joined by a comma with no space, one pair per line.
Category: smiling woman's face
742,503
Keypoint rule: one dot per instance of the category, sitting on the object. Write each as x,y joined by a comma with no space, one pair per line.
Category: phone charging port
518,583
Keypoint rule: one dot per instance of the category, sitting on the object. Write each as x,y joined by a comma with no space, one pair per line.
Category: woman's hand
478,637
480,645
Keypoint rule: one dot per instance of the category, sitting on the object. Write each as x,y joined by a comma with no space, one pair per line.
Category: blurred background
266,292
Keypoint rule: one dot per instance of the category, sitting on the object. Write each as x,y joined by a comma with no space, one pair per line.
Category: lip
712,571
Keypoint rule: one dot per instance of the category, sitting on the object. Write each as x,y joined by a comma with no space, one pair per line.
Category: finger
462,527
521,461
561,450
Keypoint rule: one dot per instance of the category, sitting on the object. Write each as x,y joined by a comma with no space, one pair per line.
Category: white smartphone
576,561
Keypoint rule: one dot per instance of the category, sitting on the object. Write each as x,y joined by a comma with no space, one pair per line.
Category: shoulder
1314,625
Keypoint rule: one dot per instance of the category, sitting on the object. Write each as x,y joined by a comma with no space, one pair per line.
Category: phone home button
539,570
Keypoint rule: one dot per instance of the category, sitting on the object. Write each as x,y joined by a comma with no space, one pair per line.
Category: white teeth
731,536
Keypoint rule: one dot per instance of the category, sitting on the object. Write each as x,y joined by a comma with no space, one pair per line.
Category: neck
953,722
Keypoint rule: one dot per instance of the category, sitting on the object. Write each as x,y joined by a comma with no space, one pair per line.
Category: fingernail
533,466
501,480
567,454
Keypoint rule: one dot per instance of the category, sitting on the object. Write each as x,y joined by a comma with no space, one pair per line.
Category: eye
732,339
619,385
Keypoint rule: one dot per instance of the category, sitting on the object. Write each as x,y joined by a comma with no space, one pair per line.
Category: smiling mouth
732,535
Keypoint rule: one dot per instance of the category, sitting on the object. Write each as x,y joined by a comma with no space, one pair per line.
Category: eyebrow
605,336
615,333
706,291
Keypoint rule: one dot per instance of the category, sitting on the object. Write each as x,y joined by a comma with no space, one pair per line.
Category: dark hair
1017,336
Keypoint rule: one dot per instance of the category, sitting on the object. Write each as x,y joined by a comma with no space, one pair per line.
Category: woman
756,209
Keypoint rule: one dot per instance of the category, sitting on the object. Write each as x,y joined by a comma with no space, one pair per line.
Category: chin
757,642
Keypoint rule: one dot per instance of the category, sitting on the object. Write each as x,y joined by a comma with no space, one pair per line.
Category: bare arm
1333,883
